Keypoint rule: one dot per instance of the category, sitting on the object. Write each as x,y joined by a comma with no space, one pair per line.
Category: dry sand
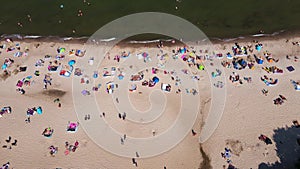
247,114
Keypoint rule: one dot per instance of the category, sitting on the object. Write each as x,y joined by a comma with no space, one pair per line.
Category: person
153,132
5,166
14,143
66,144
9,139
76,143
223,155
28,119
193,132
124,116
122,141
56,100
134,162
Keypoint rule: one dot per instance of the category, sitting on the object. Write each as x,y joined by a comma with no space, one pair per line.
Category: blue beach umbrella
71,62
4,66
155,79
39,110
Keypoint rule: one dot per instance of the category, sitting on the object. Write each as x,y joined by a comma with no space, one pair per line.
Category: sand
247,112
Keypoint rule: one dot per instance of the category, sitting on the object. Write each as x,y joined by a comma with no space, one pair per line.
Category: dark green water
216,18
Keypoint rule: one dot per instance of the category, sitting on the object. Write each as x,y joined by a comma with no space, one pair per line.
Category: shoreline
282,34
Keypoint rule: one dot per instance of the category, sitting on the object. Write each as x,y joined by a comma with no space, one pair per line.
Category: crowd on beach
250,57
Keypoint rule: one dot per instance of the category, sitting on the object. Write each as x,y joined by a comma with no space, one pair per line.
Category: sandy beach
40,82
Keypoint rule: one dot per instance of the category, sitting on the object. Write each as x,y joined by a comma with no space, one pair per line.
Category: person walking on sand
103,114
66,144
124,116
193,132
153,132
122,141
134,162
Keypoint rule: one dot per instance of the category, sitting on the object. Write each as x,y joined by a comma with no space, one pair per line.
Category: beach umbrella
71,62
155,79
4,66
62,50
201,67
258,47
39,110
145,54
121,76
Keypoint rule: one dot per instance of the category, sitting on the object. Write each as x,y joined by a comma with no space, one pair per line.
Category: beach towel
290,68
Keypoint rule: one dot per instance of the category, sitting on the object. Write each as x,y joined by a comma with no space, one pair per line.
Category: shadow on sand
287,148
205,164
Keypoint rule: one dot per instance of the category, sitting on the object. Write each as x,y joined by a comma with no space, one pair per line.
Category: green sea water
216,18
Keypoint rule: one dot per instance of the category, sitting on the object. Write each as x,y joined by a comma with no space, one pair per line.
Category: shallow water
217,18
